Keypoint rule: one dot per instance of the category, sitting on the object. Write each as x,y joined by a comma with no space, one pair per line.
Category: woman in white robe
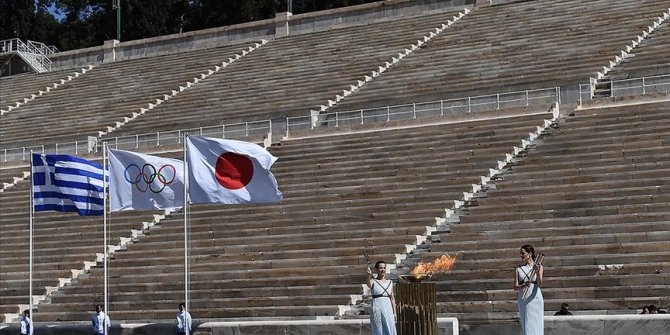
383,314
528,279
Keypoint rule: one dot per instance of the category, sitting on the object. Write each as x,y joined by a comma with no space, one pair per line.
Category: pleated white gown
381,317
531,304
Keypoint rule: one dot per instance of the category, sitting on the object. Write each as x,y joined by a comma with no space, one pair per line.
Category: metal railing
627,87
34,53
423,109
284,126
43,48
142,141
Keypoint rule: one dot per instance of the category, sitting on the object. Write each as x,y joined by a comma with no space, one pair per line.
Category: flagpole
185,226
30,237
104,224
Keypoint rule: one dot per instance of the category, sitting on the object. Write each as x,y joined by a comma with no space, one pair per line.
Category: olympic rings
148,178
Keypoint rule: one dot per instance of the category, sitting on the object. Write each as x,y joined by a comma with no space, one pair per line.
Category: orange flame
442,264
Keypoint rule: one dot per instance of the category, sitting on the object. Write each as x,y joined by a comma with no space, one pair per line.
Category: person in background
100,322
184,322
565,310
26,323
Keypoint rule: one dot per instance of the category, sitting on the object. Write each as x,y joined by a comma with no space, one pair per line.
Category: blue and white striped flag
66,183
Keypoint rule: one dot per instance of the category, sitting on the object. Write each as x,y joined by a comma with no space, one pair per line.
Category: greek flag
66,183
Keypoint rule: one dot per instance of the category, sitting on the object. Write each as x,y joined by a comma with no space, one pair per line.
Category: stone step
630,218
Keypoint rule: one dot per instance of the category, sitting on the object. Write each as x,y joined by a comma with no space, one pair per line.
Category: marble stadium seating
590,192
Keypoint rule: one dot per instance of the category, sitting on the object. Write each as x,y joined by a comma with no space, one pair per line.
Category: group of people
528,279
101,323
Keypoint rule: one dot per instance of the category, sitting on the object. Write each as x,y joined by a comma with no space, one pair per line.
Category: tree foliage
73,24
304,6
26,19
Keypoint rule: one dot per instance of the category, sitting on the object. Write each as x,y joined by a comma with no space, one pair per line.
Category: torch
539,258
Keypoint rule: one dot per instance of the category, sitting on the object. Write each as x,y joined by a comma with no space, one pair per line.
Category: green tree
304,6
91,22
45,28
86,23
149,18
216,13
27,20
16,18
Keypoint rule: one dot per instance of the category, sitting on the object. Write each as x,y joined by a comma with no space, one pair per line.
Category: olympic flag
144,182
229,172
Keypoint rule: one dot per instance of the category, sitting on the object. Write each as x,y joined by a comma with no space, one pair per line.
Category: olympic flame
442,264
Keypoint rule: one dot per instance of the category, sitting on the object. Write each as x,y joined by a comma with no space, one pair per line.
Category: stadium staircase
602,84
327,212
420,43
11,179
328,61
19,89
404,262
187,85
587,189
131,88
518,46
591,193
649,58
67,246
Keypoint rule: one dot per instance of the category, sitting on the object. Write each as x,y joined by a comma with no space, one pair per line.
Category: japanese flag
229,172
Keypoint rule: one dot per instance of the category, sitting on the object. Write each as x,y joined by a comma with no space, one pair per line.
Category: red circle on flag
234,171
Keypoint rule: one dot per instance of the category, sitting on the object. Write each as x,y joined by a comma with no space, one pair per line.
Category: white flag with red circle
144,182
229,172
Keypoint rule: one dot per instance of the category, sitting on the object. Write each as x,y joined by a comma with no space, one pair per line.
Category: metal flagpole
116,4
104,224
30,237
185,225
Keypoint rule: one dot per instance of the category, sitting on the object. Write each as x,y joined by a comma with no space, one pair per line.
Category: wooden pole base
417,308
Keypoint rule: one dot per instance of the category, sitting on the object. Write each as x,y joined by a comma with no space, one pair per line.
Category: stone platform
554,325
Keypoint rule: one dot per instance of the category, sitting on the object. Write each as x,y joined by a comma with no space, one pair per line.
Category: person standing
100,321
184,322
383,315
528,279
26,323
